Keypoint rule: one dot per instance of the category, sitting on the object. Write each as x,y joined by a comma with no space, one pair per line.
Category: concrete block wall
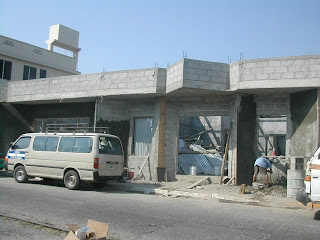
142,81
191,73
273,104
205,75
207,106
286,72
3,90
175,76
171,140
161,80
113,110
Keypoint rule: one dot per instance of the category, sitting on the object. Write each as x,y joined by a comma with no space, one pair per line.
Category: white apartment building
23,61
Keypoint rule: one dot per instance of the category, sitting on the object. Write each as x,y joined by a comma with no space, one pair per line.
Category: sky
134,34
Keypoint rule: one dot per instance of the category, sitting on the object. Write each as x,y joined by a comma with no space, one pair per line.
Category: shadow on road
108,187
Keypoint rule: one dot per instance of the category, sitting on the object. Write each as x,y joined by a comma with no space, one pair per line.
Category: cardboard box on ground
93,230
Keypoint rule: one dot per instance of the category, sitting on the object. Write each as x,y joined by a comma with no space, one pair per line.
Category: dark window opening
43,73
5,69
29,73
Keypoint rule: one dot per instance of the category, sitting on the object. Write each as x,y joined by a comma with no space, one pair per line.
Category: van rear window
75,144
48,144
109,145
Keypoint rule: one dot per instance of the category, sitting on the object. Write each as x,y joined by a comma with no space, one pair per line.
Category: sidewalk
274,196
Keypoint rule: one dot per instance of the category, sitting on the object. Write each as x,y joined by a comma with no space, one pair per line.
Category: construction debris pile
207,162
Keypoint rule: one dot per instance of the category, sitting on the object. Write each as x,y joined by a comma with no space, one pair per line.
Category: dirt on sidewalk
11,228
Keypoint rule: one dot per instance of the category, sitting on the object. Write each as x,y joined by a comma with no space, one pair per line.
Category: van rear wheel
71,180
20,174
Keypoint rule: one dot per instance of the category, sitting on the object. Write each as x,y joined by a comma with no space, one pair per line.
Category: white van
71,157
312,179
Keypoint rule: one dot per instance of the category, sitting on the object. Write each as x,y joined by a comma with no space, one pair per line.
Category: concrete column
318,117
246,140
305,123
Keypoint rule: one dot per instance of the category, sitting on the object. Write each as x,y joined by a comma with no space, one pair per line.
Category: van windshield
109,145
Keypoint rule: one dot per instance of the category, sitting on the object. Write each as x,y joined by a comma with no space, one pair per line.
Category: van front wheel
20,174
71,180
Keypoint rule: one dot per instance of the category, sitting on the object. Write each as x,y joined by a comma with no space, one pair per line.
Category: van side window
75,144
22,143
45,144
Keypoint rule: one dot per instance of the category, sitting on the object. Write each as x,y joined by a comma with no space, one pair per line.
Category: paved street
140,216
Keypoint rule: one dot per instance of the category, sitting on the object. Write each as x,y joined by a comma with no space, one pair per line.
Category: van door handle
113,162
315,177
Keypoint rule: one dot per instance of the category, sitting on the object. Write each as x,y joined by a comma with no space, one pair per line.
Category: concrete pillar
305,123
246,140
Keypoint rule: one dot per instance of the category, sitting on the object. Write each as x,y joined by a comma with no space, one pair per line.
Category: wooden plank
230,181
162,130
144,163
225,154
200,181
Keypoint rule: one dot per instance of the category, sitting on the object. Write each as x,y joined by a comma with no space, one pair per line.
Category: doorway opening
201,145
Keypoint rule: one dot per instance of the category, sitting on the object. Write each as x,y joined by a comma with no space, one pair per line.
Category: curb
205,196
180,193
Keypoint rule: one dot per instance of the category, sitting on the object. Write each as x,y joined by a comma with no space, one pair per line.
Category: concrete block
274,76
294,69
262,64
216,67
287,63
274,63
314,74
315,67
225,68
281,69
288,75
262,76
299,75
249,77
250,65
268,70
299,62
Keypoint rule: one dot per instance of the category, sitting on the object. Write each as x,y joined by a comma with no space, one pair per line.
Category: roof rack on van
74,128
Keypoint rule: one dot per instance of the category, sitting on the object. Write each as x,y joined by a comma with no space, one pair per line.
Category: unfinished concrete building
151,108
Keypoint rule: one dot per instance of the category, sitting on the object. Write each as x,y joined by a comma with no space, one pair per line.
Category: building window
29,73
143,131
5,69
43,73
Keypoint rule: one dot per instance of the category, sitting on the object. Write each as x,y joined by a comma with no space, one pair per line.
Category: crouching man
263,166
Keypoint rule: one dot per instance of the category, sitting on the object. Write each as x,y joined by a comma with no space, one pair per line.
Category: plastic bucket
295,181
217,170
130,175
193,170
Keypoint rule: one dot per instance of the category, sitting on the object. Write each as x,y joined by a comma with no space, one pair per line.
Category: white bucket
217,170
295,181
193,170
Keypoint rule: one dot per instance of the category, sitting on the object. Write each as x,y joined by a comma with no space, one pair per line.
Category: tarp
207,164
